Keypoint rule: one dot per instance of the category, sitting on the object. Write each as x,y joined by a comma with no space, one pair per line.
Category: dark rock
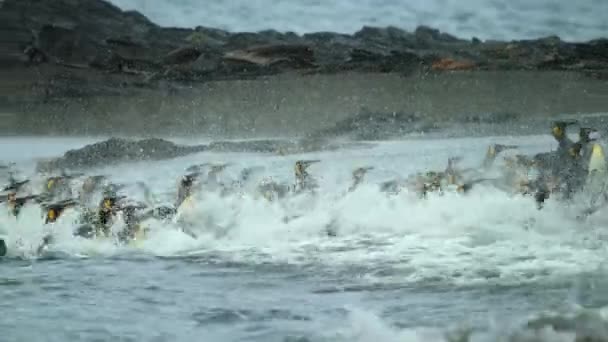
207,61
297,55
116,150
491,118
596,50
119,150
99,34
78,32
426,36
182,55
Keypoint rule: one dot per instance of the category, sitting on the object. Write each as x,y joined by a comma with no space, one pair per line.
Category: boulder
116,150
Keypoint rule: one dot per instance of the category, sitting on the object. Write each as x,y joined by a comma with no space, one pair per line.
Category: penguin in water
432,182
245,181
15,186
562,154
587,137
89,186
55,210
456,179
197,168
394,186
15,204
304,181
570,179
212,183
574,173
515,176
162,212
133,230
58,186
451,175
186,187
492,153
558,131
271,190
358,175
107,210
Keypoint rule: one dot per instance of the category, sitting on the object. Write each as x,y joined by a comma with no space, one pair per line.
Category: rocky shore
87,67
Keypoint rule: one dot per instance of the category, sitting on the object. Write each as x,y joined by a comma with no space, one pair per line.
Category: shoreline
101,70
293,105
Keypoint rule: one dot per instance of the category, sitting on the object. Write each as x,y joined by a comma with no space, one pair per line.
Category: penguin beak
302,165
307,163
218,168
360,172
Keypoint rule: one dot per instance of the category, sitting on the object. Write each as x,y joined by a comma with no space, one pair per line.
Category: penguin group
99,202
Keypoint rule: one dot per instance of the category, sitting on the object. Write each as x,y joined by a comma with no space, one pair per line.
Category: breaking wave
482,247
579,324
486,236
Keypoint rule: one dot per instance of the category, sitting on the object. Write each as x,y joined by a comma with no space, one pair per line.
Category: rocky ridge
97,35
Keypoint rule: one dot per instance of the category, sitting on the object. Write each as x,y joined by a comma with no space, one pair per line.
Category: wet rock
296,55
263,146
182,55
116,150
120,150
99,34
450,64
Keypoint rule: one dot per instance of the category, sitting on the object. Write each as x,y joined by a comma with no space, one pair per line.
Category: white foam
486,236
366,326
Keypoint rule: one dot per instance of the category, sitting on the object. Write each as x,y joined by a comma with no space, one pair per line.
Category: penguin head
575,150
249,172
11,196
187,179
492,150
108,203
558,132
197,168
498,148
50,183
217,168
453,160
360,172
302,165
586,134
51,214
558,129
90,183
524,161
